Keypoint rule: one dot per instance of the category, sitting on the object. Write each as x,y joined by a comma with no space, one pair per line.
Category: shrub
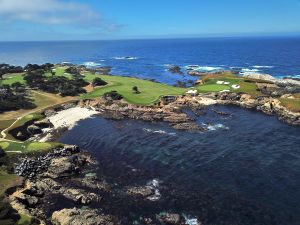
135,90
98,82
113,95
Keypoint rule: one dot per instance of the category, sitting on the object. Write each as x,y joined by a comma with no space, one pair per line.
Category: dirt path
57,101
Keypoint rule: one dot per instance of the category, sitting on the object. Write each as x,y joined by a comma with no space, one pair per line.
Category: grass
22,121
12,78
6,181
24,220
27,147
150,91
292,104
246,85
5,123
212,88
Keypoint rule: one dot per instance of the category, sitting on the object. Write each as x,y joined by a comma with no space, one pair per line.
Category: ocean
245,170
150,59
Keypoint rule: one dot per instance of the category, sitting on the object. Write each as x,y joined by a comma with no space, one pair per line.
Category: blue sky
123,19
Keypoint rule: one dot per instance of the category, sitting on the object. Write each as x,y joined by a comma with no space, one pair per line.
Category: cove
246,168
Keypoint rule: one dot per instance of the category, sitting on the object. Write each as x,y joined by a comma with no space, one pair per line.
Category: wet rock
33,167
79,217
143,192
171,219
63,167
188,126
175,69
176,118
196,73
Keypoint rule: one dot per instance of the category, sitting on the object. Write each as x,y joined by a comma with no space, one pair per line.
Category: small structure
220,82
226,83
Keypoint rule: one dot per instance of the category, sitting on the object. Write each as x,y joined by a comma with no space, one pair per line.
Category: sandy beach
69,117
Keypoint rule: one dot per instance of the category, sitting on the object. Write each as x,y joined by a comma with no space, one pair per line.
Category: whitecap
91,64
203,68
214,127
191,220
158,131
125,58
263,67
247,70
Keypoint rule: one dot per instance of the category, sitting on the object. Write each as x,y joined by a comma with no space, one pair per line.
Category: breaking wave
214,127
203,68
158,131
154,185
91,64
125,58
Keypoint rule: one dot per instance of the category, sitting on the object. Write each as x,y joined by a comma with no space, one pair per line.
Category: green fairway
12,78
26,147
212,88
150,91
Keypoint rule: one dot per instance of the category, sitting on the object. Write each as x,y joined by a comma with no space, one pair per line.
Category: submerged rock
175,69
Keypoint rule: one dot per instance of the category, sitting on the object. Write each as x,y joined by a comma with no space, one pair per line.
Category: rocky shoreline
68,174
60,186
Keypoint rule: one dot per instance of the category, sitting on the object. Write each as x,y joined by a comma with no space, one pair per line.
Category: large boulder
79,217
64,166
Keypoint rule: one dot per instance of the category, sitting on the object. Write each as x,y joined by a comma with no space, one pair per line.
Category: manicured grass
27,147
212,88
12,78
246,85
292,104
150,91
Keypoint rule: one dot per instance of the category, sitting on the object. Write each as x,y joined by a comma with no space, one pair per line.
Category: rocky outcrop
170,113
47,165
175,69
267,105
77,216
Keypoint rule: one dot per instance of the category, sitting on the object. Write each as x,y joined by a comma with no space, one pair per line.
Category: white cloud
54,12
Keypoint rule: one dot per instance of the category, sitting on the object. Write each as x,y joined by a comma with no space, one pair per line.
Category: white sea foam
91,64
125,58
158,131
214,127
191,221
154,185
203,68
263,67
247,70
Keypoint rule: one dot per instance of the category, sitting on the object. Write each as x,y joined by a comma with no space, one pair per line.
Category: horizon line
296,35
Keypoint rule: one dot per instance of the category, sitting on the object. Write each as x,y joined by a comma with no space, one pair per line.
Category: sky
42,20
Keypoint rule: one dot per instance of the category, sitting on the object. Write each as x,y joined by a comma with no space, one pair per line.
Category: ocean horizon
150,58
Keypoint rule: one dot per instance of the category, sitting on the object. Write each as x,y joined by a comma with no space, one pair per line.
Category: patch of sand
69,117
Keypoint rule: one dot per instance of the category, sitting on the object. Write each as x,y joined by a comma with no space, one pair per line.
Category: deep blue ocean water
150,58
244,170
